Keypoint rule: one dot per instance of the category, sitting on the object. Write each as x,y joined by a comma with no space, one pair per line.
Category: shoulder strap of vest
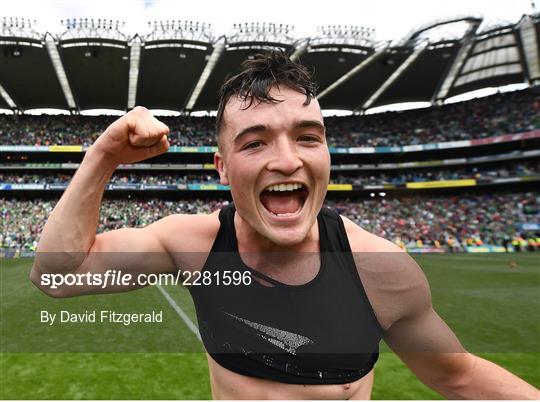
225,240
334,236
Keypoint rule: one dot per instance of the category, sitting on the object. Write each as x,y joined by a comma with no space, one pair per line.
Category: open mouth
285,199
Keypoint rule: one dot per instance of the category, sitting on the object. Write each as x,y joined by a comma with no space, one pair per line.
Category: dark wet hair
258,76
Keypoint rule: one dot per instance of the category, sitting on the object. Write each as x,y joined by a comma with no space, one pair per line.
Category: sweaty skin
263,145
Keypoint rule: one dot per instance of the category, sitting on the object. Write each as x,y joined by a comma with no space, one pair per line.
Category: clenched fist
132,138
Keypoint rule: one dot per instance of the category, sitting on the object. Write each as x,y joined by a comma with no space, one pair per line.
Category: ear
219,163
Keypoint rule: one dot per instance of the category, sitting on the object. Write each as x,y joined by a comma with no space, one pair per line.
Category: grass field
494,309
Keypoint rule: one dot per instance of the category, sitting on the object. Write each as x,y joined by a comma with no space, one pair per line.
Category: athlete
324,290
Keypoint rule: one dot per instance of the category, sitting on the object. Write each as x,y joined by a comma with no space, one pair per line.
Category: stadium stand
440,223
499,114
456,222
484,152
478,172
505,113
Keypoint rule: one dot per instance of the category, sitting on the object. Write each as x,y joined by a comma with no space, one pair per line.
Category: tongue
285,202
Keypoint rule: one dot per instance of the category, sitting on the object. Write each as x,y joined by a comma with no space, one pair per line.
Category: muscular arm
431,350
69,243
400,296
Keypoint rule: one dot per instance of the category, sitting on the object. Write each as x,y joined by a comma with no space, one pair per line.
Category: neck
251,241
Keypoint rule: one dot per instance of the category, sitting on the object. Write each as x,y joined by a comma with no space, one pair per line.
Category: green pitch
493,308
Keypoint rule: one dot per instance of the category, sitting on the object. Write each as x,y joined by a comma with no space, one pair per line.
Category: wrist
100,160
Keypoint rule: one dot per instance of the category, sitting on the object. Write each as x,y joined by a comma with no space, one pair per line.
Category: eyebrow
310,124
259,128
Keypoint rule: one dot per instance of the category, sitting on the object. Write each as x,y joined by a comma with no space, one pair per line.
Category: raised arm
399,293
69,244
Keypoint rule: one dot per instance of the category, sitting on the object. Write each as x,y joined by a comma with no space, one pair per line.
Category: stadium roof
180,66
27,75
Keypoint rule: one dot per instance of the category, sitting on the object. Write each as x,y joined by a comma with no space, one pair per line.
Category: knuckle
140,109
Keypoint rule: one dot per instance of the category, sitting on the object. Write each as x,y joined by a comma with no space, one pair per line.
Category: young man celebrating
324,291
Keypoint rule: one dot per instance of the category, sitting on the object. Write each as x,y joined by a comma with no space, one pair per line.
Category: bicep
127,253
177,242
134,250
163,246
425,343
423,333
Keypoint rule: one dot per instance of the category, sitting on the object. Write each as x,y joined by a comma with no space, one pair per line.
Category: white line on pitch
180,312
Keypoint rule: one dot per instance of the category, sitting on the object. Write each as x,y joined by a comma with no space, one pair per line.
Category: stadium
455,184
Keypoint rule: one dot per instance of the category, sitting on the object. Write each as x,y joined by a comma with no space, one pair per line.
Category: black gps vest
321,332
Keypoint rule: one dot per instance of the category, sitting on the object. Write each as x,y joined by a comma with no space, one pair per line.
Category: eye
253,145
309,138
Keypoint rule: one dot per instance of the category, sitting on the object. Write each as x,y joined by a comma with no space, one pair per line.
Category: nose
285,158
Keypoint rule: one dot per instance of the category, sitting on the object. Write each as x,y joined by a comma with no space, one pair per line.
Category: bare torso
229,385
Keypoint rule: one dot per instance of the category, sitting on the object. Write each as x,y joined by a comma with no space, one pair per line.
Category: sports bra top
321,332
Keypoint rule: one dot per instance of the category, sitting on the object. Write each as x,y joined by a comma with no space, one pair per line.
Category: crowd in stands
118,178
395,177
504,113
438,221
478,172
499,114
23,221
84,130
454,221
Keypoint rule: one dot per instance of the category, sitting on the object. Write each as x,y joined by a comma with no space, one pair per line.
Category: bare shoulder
187,233
187,239
363,241
394,283
184,238
183,232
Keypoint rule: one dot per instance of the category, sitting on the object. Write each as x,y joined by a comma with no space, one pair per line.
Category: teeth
288,214
284,187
